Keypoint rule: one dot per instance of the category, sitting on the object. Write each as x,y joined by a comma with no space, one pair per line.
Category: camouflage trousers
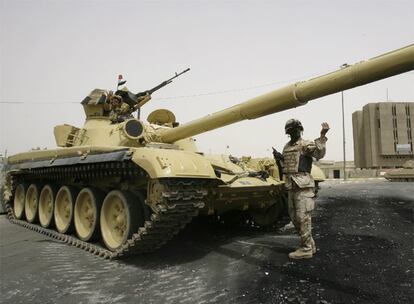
301,203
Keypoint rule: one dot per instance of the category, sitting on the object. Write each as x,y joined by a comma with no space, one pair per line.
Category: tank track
177,206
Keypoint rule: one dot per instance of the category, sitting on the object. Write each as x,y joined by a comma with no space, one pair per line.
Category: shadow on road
202,237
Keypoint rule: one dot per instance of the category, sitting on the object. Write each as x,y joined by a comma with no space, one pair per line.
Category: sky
53,53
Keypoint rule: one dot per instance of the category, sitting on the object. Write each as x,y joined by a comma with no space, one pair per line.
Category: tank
117,187
404,174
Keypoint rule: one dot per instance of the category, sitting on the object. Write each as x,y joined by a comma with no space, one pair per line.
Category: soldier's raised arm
320,143
325,129
317,148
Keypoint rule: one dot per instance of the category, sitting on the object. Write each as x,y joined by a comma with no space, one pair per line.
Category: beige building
383,134
335,170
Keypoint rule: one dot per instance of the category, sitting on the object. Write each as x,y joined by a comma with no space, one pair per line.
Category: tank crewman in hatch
296,161
119,110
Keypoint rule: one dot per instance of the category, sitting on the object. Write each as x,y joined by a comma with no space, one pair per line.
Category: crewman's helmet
293,124
116,99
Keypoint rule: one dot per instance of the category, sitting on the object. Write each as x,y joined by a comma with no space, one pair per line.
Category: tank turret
99,130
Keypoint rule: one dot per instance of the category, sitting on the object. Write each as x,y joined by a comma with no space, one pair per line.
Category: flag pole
121,81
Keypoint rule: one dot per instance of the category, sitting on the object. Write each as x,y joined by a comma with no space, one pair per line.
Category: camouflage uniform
119,111
297,165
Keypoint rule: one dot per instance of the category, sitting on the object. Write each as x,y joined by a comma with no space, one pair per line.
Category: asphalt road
364,233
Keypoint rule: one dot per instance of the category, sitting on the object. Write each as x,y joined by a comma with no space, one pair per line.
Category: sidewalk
334,181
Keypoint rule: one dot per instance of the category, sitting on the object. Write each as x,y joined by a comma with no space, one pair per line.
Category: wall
383,134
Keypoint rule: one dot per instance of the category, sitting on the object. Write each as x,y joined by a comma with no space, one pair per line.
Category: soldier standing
297,164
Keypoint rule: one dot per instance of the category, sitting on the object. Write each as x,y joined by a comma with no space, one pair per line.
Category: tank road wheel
18,202
121,216
63,211
31,203
87,210
46,204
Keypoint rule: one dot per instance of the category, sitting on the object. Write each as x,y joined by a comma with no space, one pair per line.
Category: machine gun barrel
298,94
162,84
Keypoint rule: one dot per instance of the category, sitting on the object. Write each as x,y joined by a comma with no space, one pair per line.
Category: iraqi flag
121,80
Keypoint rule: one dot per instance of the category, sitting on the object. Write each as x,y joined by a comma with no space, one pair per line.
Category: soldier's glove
277,155
325,129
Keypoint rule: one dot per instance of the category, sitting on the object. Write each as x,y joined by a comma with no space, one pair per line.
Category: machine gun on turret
161,85
136,101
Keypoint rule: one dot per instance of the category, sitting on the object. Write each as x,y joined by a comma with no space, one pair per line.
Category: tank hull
188,181
400,175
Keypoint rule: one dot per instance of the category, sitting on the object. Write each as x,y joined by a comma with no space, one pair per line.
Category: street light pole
345,65
343,132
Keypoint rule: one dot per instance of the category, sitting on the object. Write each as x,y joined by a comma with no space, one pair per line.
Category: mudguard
164,163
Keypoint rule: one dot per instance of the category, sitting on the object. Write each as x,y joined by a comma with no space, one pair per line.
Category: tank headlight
133,128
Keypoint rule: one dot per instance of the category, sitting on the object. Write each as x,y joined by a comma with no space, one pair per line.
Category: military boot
313,246
301,254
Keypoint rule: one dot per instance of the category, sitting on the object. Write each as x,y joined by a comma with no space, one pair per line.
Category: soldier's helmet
293,124
116,99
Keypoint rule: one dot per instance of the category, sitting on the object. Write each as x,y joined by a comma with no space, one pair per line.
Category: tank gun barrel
298,94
